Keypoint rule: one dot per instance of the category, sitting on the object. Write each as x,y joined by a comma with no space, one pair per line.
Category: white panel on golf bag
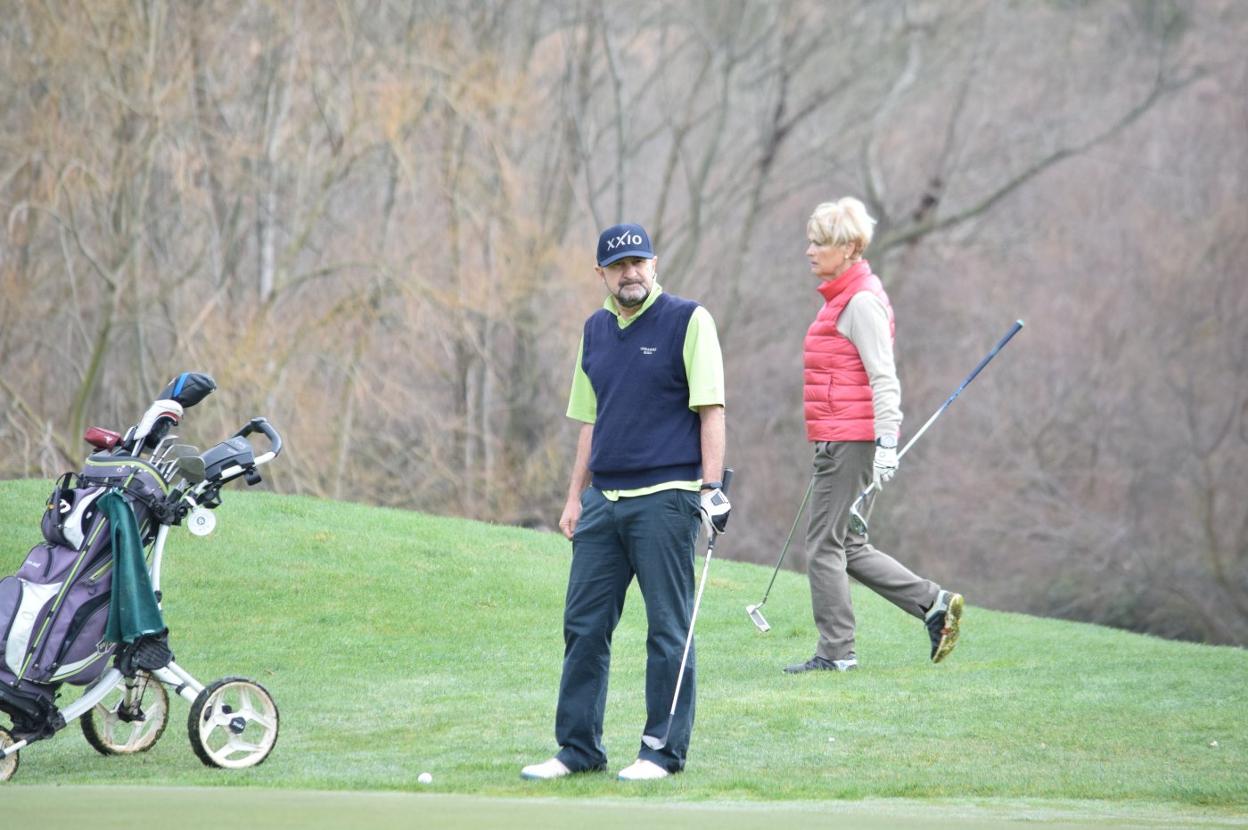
32,599
70,513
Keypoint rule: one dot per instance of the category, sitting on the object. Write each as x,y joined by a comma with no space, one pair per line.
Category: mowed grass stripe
112,808
396,642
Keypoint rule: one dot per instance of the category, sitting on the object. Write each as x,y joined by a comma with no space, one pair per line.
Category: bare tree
374,223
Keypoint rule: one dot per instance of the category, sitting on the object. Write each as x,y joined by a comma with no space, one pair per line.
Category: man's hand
715,507
885,466
571,515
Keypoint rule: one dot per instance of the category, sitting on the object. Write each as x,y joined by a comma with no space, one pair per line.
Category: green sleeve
582,402
704,363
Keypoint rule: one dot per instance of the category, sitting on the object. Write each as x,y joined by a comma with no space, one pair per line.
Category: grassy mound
396,643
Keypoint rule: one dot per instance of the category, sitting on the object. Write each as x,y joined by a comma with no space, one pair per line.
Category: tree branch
933,224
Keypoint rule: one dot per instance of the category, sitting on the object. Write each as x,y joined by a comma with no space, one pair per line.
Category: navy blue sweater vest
645,432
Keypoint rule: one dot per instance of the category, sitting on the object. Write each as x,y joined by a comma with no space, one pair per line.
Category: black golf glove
715,507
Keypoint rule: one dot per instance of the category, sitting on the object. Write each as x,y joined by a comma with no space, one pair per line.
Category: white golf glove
715,507
885,466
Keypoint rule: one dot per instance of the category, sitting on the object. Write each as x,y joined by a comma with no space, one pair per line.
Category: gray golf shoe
943,622
818,663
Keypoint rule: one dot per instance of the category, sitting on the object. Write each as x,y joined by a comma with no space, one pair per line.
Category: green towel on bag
134,611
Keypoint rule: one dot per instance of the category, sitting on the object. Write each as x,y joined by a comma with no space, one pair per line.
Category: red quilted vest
837,393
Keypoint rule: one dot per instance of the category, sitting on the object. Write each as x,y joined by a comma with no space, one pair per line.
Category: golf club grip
725,479
1014,329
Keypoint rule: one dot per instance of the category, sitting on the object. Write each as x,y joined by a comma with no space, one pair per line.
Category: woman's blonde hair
842,222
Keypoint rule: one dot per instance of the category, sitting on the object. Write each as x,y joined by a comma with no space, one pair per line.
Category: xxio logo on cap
623,239
619,241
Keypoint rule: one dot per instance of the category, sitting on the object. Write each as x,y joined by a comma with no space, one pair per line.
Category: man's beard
632,303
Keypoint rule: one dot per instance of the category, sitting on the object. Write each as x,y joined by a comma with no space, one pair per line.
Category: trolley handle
262,425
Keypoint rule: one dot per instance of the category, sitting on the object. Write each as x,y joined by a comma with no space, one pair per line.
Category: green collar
624,322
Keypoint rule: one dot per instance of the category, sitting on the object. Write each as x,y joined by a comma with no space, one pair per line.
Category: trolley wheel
114,728
8,766
233,724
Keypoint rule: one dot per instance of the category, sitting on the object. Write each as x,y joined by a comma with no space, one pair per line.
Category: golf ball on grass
425,778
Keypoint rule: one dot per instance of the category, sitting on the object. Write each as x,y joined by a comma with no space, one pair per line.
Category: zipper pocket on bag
103,569
76,625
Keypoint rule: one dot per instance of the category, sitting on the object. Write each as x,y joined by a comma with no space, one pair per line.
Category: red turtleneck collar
830,288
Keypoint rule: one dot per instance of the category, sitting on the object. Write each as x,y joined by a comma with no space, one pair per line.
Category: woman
853,415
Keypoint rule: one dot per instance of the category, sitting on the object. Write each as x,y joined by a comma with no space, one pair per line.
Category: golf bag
54,611
91,589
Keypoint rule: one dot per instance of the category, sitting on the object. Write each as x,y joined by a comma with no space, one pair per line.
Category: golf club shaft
684,658
1014,329
693,618
784,550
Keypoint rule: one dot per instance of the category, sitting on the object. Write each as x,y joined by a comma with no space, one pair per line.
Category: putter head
653,742
756,617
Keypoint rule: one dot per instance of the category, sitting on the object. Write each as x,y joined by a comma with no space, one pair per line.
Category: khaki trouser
842,470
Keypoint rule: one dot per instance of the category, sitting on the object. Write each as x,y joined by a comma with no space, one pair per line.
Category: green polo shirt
704,368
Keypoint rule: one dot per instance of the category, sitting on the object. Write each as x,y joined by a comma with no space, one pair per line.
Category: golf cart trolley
92,591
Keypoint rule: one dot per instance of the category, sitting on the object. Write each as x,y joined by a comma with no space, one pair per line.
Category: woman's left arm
865,322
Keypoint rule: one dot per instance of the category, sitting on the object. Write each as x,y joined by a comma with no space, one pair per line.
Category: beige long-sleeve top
864,321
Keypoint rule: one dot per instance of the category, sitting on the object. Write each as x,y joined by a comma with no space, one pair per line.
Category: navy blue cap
619,241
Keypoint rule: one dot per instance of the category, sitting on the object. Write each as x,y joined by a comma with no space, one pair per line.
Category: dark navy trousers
651,537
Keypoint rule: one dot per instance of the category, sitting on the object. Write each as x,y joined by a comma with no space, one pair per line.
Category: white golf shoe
641,770
545,771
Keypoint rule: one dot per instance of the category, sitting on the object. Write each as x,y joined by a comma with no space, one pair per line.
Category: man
649,390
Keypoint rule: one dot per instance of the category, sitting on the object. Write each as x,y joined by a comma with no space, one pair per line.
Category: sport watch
888,442
711,485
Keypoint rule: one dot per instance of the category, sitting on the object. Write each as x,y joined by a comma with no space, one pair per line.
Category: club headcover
189,388
156,421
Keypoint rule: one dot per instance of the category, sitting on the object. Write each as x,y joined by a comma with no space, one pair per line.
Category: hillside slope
396,642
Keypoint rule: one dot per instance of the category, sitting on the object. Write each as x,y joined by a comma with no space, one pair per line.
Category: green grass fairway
396,643
113,808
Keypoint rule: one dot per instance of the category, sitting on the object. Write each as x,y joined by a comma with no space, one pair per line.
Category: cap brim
618,255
